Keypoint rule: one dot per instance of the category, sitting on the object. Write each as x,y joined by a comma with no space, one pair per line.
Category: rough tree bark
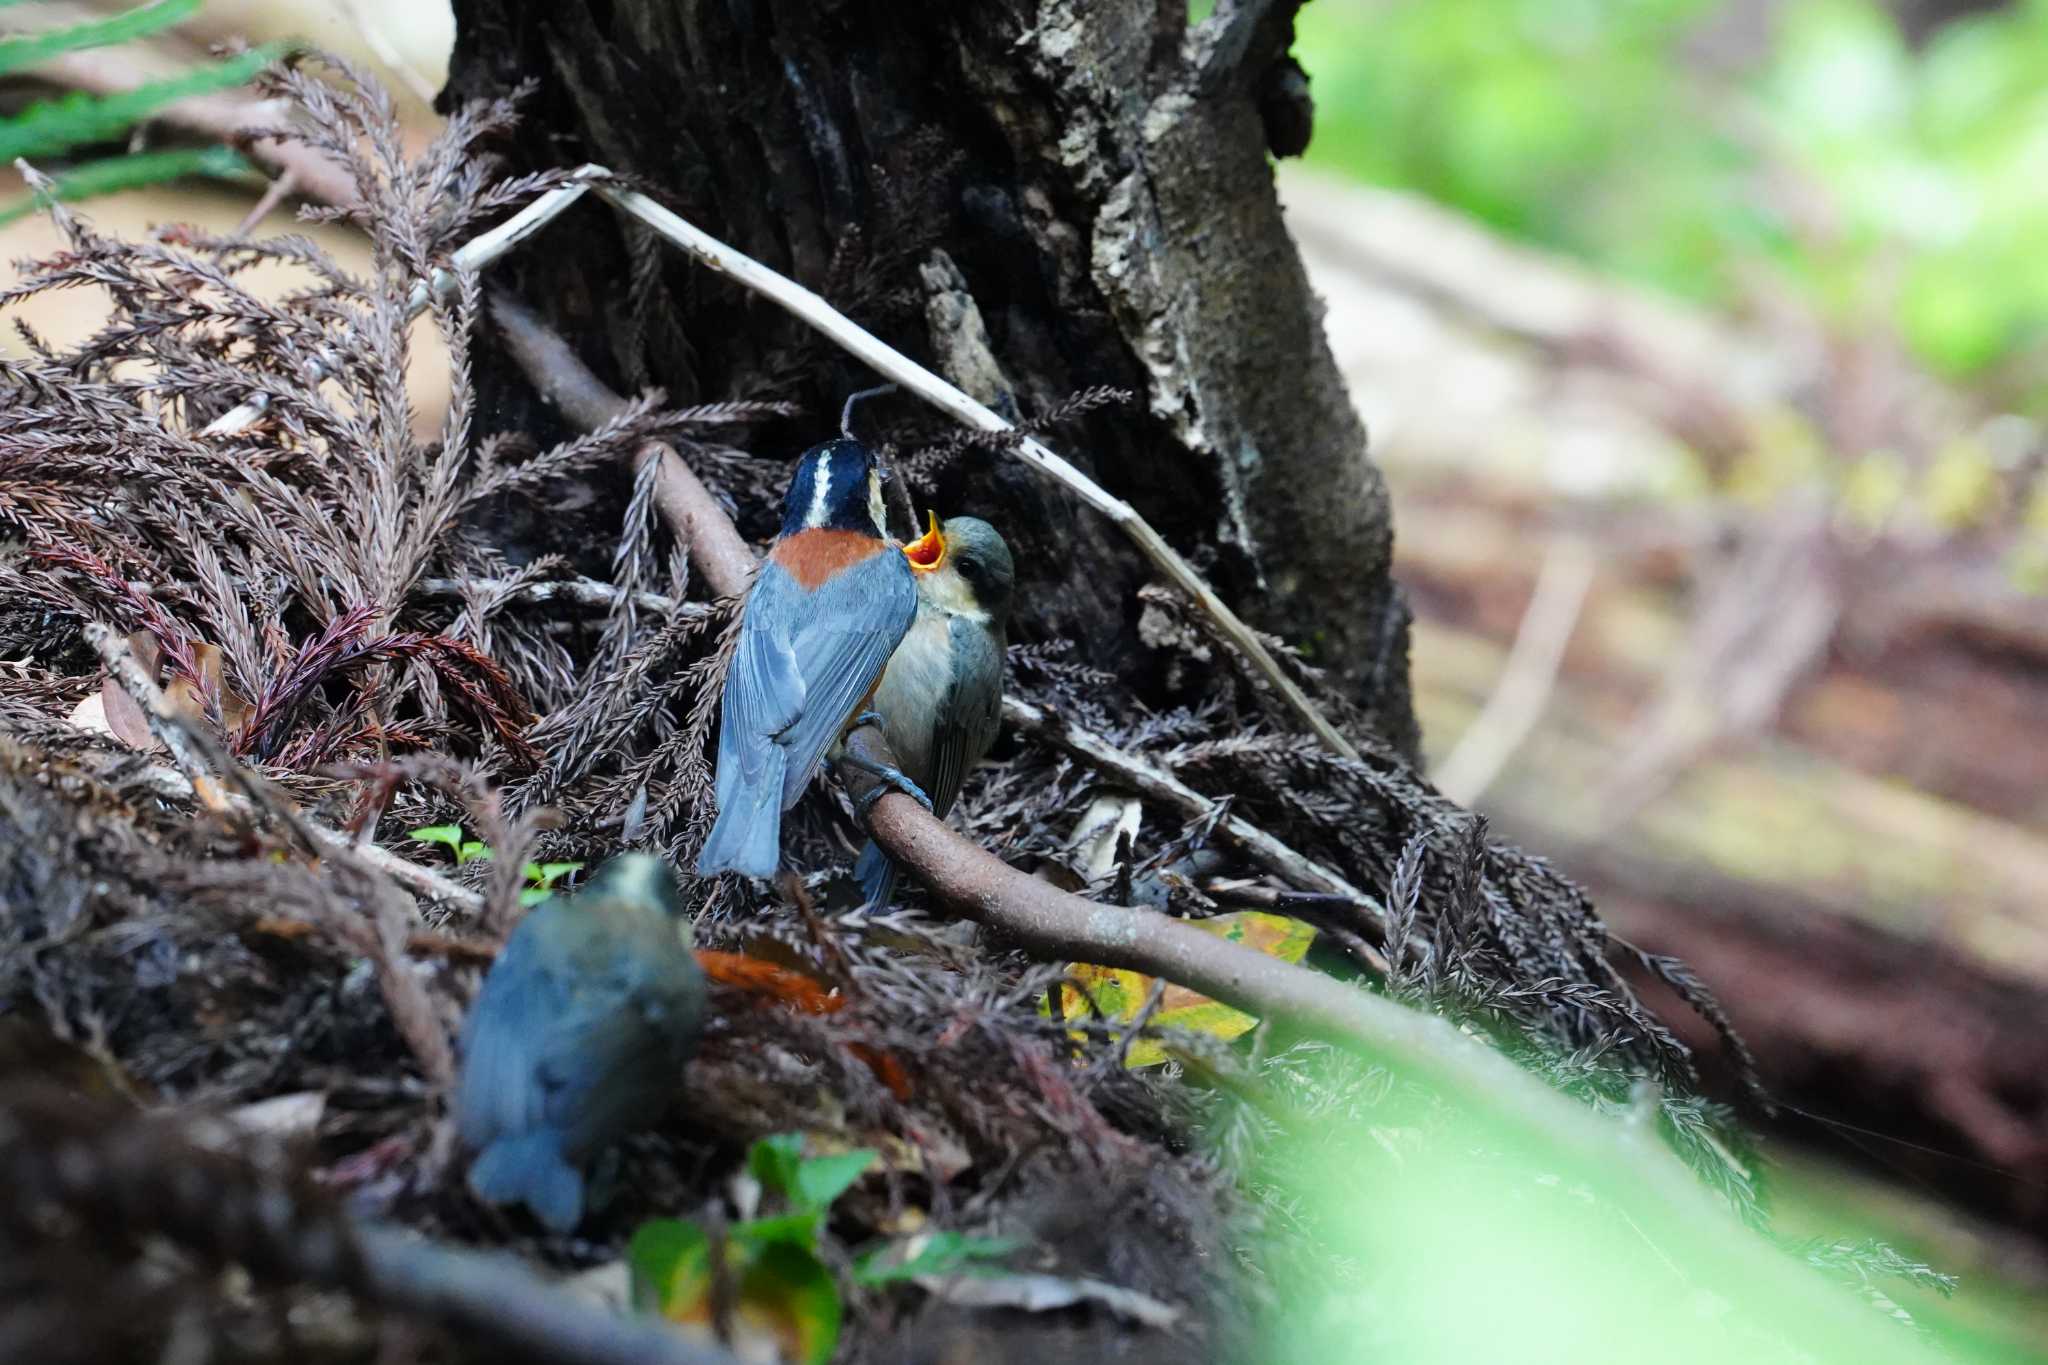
1036,197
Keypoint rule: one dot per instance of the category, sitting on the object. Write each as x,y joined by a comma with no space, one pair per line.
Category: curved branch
692,513
1058,926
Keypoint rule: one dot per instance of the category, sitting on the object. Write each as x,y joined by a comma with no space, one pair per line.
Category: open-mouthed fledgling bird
941,698
830,604
578,1037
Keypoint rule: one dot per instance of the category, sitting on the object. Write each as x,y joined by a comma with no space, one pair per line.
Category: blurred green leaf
809,1184
132,172
451,835
784,1298
930,1253
773,1160
822,1179
31,48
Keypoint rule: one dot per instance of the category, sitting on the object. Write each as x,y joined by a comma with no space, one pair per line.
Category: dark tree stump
1032,198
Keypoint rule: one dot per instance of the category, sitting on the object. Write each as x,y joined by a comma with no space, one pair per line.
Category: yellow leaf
1119,993
1962,486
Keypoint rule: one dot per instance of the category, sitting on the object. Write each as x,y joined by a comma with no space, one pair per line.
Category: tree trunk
1034,198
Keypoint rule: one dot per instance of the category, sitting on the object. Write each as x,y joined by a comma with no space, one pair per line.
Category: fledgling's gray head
976,552
638,880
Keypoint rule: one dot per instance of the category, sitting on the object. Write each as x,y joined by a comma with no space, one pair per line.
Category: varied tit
829,606
578,1037
940,700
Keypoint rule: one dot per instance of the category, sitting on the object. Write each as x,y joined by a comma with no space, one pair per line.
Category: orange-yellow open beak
928,551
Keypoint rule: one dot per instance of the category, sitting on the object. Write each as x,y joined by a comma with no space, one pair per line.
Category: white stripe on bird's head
821,491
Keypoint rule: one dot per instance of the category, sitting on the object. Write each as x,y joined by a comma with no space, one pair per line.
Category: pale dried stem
1528,677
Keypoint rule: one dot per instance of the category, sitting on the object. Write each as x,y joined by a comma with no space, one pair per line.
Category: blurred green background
1666,141
1867,185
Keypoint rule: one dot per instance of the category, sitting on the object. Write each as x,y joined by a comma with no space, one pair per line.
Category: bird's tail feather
746,837
876,872
529,1169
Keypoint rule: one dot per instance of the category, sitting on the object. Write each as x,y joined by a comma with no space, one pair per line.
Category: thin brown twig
126,671
280,185
172,785
692,513
1147,780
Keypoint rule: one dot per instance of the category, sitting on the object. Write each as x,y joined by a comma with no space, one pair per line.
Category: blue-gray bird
578,1037
940,700
830,604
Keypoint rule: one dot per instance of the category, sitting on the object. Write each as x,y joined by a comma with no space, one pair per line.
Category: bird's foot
866,718
892,777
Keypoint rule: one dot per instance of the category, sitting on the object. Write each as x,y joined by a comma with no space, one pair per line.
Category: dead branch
584,592
1054,925
128,1176
692,513
421,881
1161,786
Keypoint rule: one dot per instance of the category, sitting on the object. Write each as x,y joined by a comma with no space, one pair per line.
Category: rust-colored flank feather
811,557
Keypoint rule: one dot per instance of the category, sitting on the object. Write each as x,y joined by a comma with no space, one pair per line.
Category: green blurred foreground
1462,1240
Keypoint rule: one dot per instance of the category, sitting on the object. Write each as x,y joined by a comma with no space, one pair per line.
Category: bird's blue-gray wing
852,625
764,688
500,1093
612,1058
970,713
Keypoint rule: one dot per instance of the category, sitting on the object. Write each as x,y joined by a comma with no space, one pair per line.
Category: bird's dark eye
970,571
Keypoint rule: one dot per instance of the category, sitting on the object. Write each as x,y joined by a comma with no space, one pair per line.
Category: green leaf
931,1253
30,48
822,1179
534,895
801,1228
50,127
471,850
545,875
663,1255
131,172
808,1183
788,1291
773,1160
451,835
785,1299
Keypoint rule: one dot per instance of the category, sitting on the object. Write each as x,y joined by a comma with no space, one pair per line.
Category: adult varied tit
940,700
578,1037
829,606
